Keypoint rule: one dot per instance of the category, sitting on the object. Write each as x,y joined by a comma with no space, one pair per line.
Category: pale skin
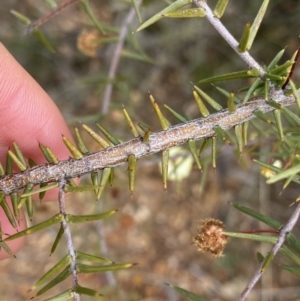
27,116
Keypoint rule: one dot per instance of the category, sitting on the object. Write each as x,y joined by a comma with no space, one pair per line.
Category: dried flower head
210,237
88,42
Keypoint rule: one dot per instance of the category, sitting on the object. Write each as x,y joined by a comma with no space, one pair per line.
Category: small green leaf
287,182
203,179
19,154
58,279
131,171
252,89
295,93
86,291
76,153
146,130
59,267
275,104
6,248
290,268
214,152
80,188
29,206
143,127
177,115
256,237
45,224
193,149
230,103
8,167
211,101
91,258
42,193
227,94
16,160
41,38
275,169
260,257
132,127
186,13
242,47
7,210
165,124
221,133
25,20
95,181
137,10
2,172
239,137
95,136
293,242
292,171
234,75
111,176
256,24
269,258
258,216
103,181
73,219
164,167
289,70
31,163
276,59
109,136
140,56
27,190
201,106
57,239
14,197
90,12
245,126
187,293
83,268
220,8
81,145
277,117
51,3
282,69
275,78
289,254
66,295
174,6
291,115
42,189
44,151
267,89
259,114
203,146
53,157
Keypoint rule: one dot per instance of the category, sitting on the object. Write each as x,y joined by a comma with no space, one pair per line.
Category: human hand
27,116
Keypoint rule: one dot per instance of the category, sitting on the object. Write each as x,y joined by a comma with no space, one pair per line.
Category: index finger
28,115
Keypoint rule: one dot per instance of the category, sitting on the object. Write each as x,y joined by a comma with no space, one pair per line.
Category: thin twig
68,236
218,25
116,58
281,239
158,141
34,25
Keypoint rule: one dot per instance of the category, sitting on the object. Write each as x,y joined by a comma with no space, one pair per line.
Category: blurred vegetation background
154,228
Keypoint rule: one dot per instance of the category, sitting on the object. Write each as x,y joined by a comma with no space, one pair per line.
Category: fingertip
28,114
